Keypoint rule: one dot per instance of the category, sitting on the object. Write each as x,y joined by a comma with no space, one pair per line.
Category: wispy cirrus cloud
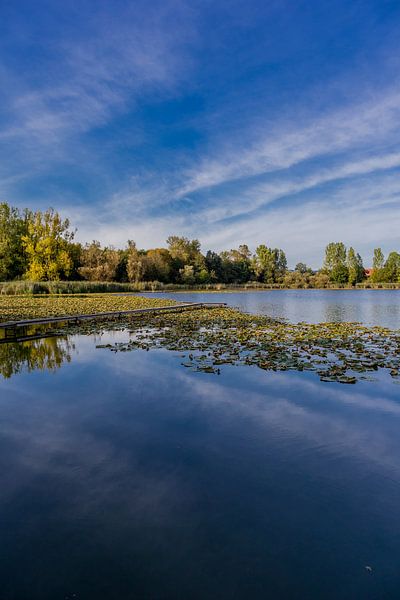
344,159
285,145
141,121
95,74
342,198
363,213
256,196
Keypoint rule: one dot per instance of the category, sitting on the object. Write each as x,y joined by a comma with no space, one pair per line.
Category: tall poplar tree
378,263
354,266
269,264
335,262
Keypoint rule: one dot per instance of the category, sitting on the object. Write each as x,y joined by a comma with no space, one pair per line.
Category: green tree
75,252
378,264
319,280
13,225
302,268
241,259
214,266
134,263
157,265
185,252
296,279
187,274
379,259
236,265
46,244
392,267
335,255
270,264
203,276
340,274
335,262
355,267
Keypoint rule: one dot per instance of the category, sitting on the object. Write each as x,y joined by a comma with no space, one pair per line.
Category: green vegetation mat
13,308
208,339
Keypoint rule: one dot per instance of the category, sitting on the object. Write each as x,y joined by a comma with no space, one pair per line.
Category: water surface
371,307
127,476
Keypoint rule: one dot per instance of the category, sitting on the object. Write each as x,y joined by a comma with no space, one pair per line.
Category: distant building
368,272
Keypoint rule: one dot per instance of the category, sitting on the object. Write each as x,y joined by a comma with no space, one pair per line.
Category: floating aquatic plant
206,340
14,308
341,352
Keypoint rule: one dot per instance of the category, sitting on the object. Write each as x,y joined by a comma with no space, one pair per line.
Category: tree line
41,246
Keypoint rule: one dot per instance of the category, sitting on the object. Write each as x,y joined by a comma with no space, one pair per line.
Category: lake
125,475
372,307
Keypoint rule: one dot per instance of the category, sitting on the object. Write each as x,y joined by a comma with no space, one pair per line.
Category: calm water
126,476
372,307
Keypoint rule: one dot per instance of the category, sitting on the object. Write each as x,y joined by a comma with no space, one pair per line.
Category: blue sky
272,122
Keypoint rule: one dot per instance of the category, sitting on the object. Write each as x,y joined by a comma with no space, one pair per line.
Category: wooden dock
10,327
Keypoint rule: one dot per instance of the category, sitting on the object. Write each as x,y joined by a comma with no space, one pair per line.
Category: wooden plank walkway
13,325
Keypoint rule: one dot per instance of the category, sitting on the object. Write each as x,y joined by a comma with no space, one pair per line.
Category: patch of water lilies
206,340
13,308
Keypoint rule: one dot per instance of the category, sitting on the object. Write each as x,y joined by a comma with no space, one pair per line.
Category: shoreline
78,288
275,289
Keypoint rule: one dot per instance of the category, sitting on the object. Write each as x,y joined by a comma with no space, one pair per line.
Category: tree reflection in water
41,354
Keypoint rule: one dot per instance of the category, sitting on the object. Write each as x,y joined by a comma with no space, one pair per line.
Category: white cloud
354,213
261,195
104,69
277,409
285,146
353,210
95,74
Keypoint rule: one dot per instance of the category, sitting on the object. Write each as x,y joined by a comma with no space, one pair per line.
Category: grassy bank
32,307
29,288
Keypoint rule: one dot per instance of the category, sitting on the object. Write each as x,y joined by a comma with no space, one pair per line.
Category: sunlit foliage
39,246
45,244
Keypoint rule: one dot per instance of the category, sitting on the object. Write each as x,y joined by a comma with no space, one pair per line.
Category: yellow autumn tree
46,245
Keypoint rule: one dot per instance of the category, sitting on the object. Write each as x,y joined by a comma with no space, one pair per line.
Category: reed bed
32,288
